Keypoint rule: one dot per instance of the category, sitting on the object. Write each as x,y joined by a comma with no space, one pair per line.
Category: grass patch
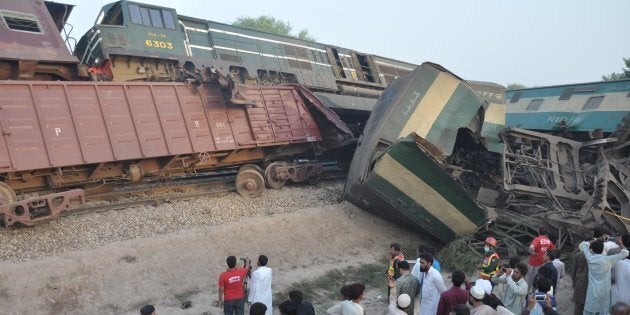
128,259
456,255
324,291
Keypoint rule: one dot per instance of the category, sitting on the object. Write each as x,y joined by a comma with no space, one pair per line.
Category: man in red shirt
231,290
540,245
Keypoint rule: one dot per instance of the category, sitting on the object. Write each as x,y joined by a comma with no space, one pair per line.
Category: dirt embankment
166,269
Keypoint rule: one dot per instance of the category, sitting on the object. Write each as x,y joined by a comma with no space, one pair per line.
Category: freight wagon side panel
120,126
55,122
20,128
146,120
195,119
216,112
89,123
173,124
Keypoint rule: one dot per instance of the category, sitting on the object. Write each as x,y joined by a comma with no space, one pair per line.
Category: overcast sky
533,42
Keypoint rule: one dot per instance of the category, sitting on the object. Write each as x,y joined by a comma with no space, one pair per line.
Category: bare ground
164,270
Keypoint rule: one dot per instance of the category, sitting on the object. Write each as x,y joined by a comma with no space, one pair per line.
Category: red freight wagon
70,134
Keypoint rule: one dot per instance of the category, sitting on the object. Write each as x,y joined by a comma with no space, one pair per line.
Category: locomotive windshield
111,16
151,17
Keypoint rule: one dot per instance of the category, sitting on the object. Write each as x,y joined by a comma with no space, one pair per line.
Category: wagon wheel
249,183
7,194
270,175
314,180
252,167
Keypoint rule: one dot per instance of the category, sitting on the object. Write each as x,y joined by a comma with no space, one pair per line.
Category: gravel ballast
88,231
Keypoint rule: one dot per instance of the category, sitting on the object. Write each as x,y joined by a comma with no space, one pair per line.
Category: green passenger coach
401,168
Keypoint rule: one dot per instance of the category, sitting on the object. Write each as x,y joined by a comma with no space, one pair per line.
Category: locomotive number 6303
158,44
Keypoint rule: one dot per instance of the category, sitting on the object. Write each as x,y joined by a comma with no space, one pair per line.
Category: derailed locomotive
132,41
62,135
426,164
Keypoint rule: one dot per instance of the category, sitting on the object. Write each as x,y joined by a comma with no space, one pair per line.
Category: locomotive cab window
113,16
21,22
151,17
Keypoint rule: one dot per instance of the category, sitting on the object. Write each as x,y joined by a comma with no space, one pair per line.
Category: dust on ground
170,269
167,269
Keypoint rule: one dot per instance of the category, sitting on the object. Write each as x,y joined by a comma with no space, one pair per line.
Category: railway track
211,184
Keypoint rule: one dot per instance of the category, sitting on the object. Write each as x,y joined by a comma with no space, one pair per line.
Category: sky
533,42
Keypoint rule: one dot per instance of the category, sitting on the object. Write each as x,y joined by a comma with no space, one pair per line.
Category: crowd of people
601,281
600,274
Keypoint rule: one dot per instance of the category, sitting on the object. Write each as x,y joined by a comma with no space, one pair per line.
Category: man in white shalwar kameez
599,275
432,285
260,289
620,291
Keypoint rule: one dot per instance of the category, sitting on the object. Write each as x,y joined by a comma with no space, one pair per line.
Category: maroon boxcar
62,135
31,47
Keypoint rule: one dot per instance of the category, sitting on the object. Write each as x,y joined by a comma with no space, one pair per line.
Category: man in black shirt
303,308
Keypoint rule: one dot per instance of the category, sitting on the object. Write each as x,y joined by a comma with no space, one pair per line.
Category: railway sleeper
36,210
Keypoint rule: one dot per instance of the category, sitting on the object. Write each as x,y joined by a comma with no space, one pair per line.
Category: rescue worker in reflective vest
490,264
395,256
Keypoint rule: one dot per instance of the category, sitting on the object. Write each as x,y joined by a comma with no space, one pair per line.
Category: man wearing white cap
477,293
398,304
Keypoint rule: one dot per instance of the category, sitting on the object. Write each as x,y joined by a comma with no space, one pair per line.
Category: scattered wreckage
434,157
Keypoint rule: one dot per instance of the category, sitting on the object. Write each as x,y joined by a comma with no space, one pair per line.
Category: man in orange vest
490,264
395,256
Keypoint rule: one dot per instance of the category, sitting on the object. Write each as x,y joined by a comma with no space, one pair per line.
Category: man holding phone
599,275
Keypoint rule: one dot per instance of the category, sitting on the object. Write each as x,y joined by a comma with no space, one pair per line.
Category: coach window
535,104
21,22
593,102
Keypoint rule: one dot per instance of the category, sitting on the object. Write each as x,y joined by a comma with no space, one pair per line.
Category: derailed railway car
401,170
132,41
581,111
426,163
31,47
62,135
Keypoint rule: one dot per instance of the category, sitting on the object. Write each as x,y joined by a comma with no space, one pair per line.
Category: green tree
625,74
516,86
270,24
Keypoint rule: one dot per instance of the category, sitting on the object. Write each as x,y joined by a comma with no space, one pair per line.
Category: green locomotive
132,41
